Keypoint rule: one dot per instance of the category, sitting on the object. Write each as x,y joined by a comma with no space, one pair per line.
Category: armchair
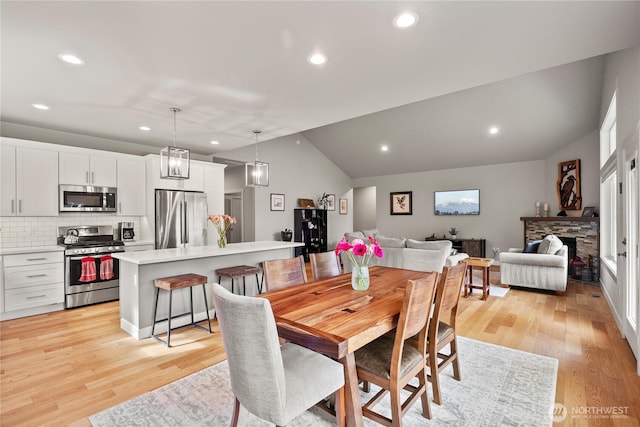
535,270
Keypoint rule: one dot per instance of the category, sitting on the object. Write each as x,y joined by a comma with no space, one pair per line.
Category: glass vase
222,241
360,277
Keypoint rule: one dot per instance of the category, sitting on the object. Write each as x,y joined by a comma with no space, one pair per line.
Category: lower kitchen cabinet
33,283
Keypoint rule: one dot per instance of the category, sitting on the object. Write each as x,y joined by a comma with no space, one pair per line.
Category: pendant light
256,173
174,161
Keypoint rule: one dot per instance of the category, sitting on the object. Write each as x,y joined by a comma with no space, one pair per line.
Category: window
608,133
608,246
608,186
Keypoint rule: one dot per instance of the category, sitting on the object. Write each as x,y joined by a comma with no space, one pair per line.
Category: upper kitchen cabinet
85,169
131,187
29,181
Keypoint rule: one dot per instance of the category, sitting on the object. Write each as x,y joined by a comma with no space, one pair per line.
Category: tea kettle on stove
71,237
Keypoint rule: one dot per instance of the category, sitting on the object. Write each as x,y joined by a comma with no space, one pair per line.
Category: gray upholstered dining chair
324,265
273,382
283,273
391,362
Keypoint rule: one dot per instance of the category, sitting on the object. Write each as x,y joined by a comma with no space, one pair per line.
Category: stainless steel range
91,274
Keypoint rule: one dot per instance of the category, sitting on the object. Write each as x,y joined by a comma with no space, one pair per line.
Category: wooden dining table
330,317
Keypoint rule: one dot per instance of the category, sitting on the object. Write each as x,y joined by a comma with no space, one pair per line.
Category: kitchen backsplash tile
25,231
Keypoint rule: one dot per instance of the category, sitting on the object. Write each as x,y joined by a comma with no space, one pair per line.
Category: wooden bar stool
170,284
240,271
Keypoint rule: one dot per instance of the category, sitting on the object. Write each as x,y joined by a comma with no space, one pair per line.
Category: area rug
499,387
495,290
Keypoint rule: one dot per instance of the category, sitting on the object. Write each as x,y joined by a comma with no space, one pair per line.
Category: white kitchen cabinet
33,280
131,187
84,169
29,182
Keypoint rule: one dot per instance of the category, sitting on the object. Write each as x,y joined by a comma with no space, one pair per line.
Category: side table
484,264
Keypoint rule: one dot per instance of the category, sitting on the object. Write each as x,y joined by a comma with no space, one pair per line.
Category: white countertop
30,249
179,254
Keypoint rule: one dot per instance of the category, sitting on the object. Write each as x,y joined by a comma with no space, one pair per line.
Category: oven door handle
79,258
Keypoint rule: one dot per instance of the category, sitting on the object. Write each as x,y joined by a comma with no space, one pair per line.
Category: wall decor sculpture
569,196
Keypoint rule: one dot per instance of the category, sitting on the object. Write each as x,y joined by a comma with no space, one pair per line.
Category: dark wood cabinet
471,247
310,228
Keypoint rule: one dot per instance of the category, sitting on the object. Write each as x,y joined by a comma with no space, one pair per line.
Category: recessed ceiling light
215,142
384,148
145,128
493,130
40,106
71,59
405,20
317,59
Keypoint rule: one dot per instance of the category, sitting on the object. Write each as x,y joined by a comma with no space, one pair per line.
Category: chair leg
206,308
155,310
258,285
456,363
426,406
396,404
169,320
339,406
435,380
236,413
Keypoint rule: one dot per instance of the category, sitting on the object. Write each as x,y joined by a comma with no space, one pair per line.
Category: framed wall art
344,203
331,202
568,185
457,202
277,202
401,203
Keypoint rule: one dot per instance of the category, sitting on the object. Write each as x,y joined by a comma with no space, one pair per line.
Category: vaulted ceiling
429,92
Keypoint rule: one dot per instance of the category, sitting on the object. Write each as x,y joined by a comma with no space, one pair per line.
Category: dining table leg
352,393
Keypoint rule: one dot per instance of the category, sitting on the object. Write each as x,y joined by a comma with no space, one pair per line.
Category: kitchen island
138,270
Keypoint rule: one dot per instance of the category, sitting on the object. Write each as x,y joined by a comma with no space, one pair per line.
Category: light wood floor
59,368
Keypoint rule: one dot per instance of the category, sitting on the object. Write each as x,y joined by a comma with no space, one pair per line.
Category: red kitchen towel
88,273
106,267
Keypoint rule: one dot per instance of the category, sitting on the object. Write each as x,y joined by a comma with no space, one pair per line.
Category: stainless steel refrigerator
181,219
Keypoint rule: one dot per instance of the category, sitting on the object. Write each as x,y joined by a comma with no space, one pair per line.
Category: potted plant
323,201
454,232
286,235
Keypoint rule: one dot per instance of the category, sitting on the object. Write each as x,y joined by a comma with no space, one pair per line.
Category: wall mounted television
457,202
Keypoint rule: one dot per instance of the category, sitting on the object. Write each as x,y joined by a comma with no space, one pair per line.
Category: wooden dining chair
391,362
284,273
273,382
324,265
442,329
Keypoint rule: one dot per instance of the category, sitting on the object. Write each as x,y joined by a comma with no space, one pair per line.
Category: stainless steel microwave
80,198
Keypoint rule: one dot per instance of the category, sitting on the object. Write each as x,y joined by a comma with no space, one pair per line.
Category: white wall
298,170
507,192
364,208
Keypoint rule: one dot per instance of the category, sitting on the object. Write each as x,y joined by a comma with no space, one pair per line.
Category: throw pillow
555,245
391,242
355,235
532,247
434,245
373,232
550,245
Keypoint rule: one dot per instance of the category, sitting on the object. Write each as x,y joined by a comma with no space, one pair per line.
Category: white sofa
546,268
411,254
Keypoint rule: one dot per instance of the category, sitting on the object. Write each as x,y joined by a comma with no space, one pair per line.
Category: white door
628,261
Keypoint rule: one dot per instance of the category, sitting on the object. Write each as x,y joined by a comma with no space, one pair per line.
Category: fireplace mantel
561,218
